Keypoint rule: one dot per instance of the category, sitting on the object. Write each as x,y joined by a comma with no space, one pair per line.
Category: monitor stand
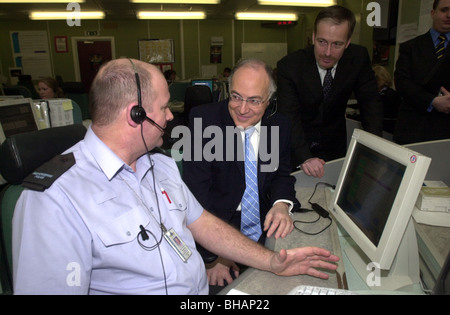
404,274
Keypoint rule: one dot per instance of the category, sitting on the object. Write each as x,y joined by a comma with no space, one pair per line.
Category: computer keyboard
313,290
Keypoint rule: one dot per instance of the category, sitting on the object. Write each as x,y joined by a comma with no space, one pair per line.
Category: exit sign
92,33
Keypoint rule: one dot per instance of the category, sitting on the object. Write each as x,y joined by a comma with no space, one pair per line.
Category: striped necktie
440,49
327,83
250,218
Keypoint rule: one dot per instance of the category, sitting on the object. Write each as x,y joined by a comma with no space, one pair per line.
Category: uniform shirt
81,235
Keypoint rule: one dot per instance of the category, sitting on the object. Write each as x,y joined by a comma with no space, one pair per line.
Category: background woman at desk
48,88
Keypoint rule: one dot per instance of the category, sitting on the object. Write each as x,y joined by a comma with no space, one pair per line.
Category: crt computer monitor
373,202
16,116
206,82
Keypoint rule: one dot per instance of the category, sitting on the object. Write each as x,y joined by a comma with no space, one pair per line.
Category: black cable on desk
318,209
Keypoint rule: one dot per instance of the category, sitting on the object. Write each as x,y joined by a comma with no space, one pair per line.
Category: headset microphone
155,124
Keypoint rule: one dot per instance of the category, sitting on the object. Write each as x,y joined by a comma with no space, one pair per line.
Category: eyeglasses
254,102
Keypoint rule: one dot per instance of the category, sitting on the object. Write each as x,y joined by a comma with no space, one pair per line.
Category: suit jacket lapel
312,78
265,124
228,121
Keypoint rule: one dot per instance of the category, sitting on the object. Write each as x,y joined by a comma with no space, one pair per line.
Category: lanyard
163,228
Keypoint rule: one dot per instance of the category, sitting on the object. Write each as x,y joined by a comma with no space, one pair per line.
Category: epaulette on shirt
45,175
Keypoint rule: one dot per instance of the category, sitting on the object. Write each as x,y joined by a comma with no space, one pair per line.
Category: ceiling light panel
266,16
166,15
178,1
63,15
41,1
307,3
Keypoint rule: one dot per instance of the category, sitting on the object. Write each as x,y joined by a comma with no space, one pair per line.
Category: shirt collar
106,159
257,128
333,69
435,36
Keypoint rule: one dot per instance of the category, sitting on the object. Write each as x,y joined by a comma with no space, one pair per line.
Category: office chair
77,92
20,155
196,95
77,113
25,80
17,90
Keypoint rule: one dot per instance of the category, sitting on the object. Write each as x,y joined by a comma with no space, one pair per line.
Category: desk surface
258,282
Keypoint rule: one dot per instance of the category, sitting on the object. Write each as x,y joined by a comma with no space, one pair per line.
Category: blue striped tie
250,218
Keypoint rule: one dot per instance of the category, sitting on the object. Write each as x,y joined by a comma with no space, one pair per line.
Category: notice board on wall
156,51
270,53
31,53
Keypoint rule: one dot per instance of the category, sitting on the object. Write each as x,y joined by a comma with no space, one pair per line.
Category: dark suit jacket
416,61
300,97
220,185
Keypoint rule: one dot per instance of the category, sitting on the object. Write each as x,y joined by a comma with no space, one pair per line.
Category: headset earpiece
138,114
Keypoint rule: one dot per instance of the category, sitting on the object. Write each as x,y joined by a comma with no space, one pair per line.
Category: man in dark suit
315,84
422,77
220,184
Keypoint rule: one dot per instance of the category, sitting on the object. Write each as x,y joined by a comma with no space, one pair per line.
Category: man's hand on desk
219,272
278,220
303,261
313,167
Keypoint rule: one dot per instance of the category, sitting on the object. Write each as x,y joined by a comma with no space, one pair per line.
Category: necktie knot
249,131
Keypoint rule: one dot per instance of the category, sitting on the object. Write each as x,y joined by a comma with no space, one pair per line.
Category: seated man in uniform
121,220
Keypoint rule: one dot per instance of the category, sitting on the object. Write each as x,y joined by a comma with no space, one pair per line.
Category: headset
138,113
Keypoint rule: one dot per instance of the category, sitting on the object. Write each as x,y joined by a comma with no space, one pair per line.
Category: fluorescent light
266,16
307,3
166,15
178,1
63,15
41,1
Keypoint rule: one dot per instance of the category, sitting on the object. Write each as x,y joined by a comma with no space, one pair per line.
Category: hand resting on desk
313,167
225,241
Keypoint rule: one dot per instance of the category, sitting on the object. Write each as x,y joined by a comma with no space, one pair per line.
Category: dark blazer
300,97
416,61
220,185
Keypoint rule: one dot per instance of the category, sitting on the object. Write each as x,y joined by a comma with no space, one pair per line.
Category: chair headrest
21,154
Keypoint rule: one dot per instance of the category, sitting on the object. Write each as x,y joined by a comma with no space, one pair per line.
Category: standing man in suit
222,185
315,84
424,114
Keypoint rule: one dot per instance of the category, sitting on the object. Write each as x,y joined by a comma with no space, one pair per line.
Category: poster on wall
156,51
31,53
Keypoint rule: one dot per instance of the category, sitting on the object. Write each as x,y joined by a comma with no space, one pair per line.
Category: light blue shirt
80,235
435,36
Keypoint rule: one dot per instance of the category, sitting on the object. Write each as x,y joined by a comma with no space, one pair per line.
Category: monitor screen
16,116
208,83
373,202
376,192
369,190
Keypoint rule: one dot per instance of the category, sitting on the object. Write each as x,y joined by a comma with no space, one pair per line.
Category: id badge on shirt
178,245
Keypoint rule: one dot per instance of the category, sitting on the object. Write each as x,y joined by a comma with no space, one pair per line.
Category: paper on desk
61,112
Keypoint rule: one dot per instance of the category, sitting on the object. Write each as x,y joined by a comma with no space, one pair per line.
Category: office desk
433,241
258,282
